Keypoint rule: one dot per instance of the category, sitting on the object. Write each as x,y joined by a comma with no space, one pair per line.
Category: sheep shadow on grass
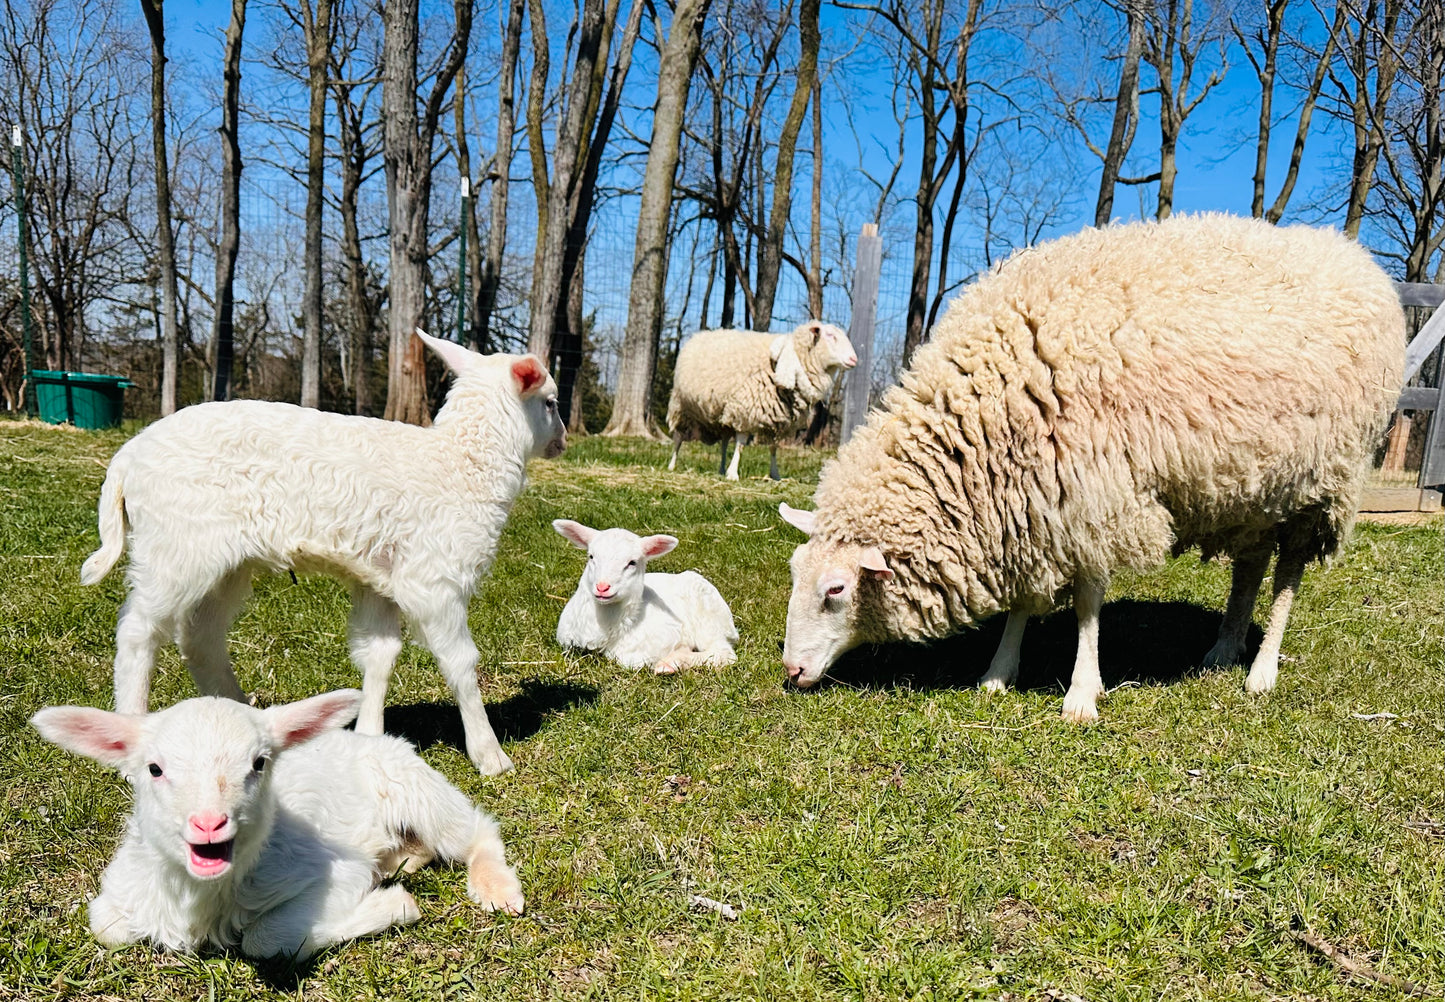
515,718
1154,643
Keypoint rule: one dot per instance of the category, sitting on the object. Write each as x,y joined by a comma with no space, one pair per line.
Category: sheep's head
824,619
830,345
199,769
524,375
616,560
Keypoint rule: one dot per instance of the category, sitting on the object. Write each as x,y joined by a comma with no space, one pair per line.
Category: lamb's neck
616,619
488,443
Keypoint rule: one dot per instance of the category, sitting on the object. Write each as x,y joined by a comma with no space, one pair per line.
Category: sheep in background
408,516
1095,403
639,619
728,384
270,829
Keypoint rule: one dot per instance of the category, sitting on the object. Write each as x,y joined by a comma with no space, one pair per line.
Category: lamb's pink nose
207,826
603,589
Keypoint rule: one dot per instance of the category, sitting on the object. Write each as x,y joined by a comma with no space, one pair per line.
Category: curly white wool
270,830
409,516
729,384
642,619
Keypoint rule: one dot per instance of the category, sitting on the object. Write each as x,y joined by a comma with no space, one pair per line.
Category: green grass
898,835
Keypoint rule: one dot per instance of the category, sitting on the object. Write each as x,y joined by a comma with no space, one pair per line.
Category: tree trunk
316,27
490,275
407,155
165,235
770,254
229,245
1126,114
649,263
1368,116
815,228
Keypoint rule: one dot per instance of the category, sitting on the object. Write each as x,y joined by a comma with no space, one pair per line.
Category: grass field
895,834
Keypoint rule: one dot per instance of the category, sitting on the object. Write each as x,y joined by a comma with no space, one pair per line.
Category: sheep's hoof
1259,682
1080,709
1223,655
993,685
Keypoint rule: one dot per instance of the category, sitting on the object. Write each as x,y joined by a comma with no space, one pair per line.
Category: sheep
638,618
728,384
270,830
408,516
1093,404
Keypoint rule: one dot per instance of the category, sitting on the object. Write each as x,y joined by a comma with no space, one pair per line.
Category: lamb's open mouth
211,859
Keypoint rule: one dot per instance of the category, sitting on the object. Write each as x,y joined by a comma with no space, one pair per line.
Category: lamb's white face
840,353
823,607
616,560
199,769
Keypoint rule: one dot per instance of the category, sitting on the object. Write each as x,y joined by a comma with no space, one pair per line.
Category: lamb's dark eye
259,764
155,770
631,564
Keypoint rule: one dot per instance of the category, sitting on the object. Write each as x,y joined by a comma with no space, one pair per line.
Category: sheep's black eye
835,590
259,764
155,769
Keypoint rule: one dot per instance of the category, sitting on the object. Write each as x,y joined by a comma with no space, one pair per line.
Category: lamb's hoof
1080,709
497,891
400,904
492,763
993,685
666,667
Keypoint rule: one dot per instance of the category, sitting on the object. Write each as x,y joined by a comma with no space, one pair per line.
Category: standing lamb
728,384
1093,404
639,619
269,829
409,516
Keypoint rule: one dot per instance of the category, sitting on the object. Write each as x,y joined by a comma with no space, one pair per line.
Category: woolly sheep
639,619
408,516
1093,404
728,384
269,829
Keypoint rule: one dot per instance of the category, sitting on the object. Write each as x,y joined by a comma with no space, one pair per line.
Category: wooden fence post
860,328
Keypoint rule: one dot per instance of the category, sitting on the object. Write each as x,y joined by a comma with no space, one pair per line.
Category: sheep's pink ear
457,358
109,738
656,546
873,564
805,522
293,723
575,533
528,373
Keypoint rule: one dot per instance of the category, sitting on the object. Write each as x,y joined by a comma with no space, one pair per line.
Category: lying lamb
1093,404
270,829
409,516
640,619
728,384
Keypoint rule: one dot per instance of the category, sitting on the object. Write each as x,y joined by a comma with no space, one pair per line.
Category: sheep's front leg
1288,571
676,448
1086,686
1004,667
737,453
722,458
1248,572
444,631
374,636
773,461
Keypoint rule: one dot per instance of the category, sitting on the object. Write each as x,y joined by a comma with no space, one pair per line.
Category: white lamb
271,830
729,384
409,516
638,619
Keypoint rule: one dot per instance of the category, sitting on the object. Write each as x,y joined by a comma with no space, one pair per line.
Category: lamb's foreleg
1004,667
1087,685
304,925
374,636
443,629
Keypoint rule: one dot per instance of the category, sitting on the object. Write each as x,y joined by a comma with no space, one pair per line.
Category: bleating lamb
1093,404
270,830
639,618
729,384
408,516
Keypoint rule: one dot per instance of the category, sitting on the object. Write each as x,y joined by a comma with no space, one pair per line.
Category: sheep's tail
111,513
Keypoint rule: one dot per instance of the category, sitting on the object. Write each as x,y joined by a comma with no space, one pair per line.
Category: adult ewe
729,384
1095,403
408,516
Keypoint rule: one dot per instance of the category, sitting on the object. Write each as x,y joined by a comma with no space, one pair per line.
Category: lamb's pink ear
528,373
575,533
293,723
873,564
656,546
816,330
804,521
457,358
109,738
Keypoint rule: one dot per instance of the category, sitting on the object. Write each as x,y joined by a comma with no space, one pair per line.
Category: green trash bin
83,399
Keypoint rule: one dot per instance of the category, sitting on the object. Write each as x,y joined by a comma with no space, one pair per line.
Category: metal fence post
462,263
860,328
18,167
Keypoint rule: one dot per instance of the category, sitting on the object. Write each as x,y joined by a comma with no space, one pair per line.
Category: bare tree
1367,40
222,330
408,142
630,404
1173,48
165,233
316,27
489,276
